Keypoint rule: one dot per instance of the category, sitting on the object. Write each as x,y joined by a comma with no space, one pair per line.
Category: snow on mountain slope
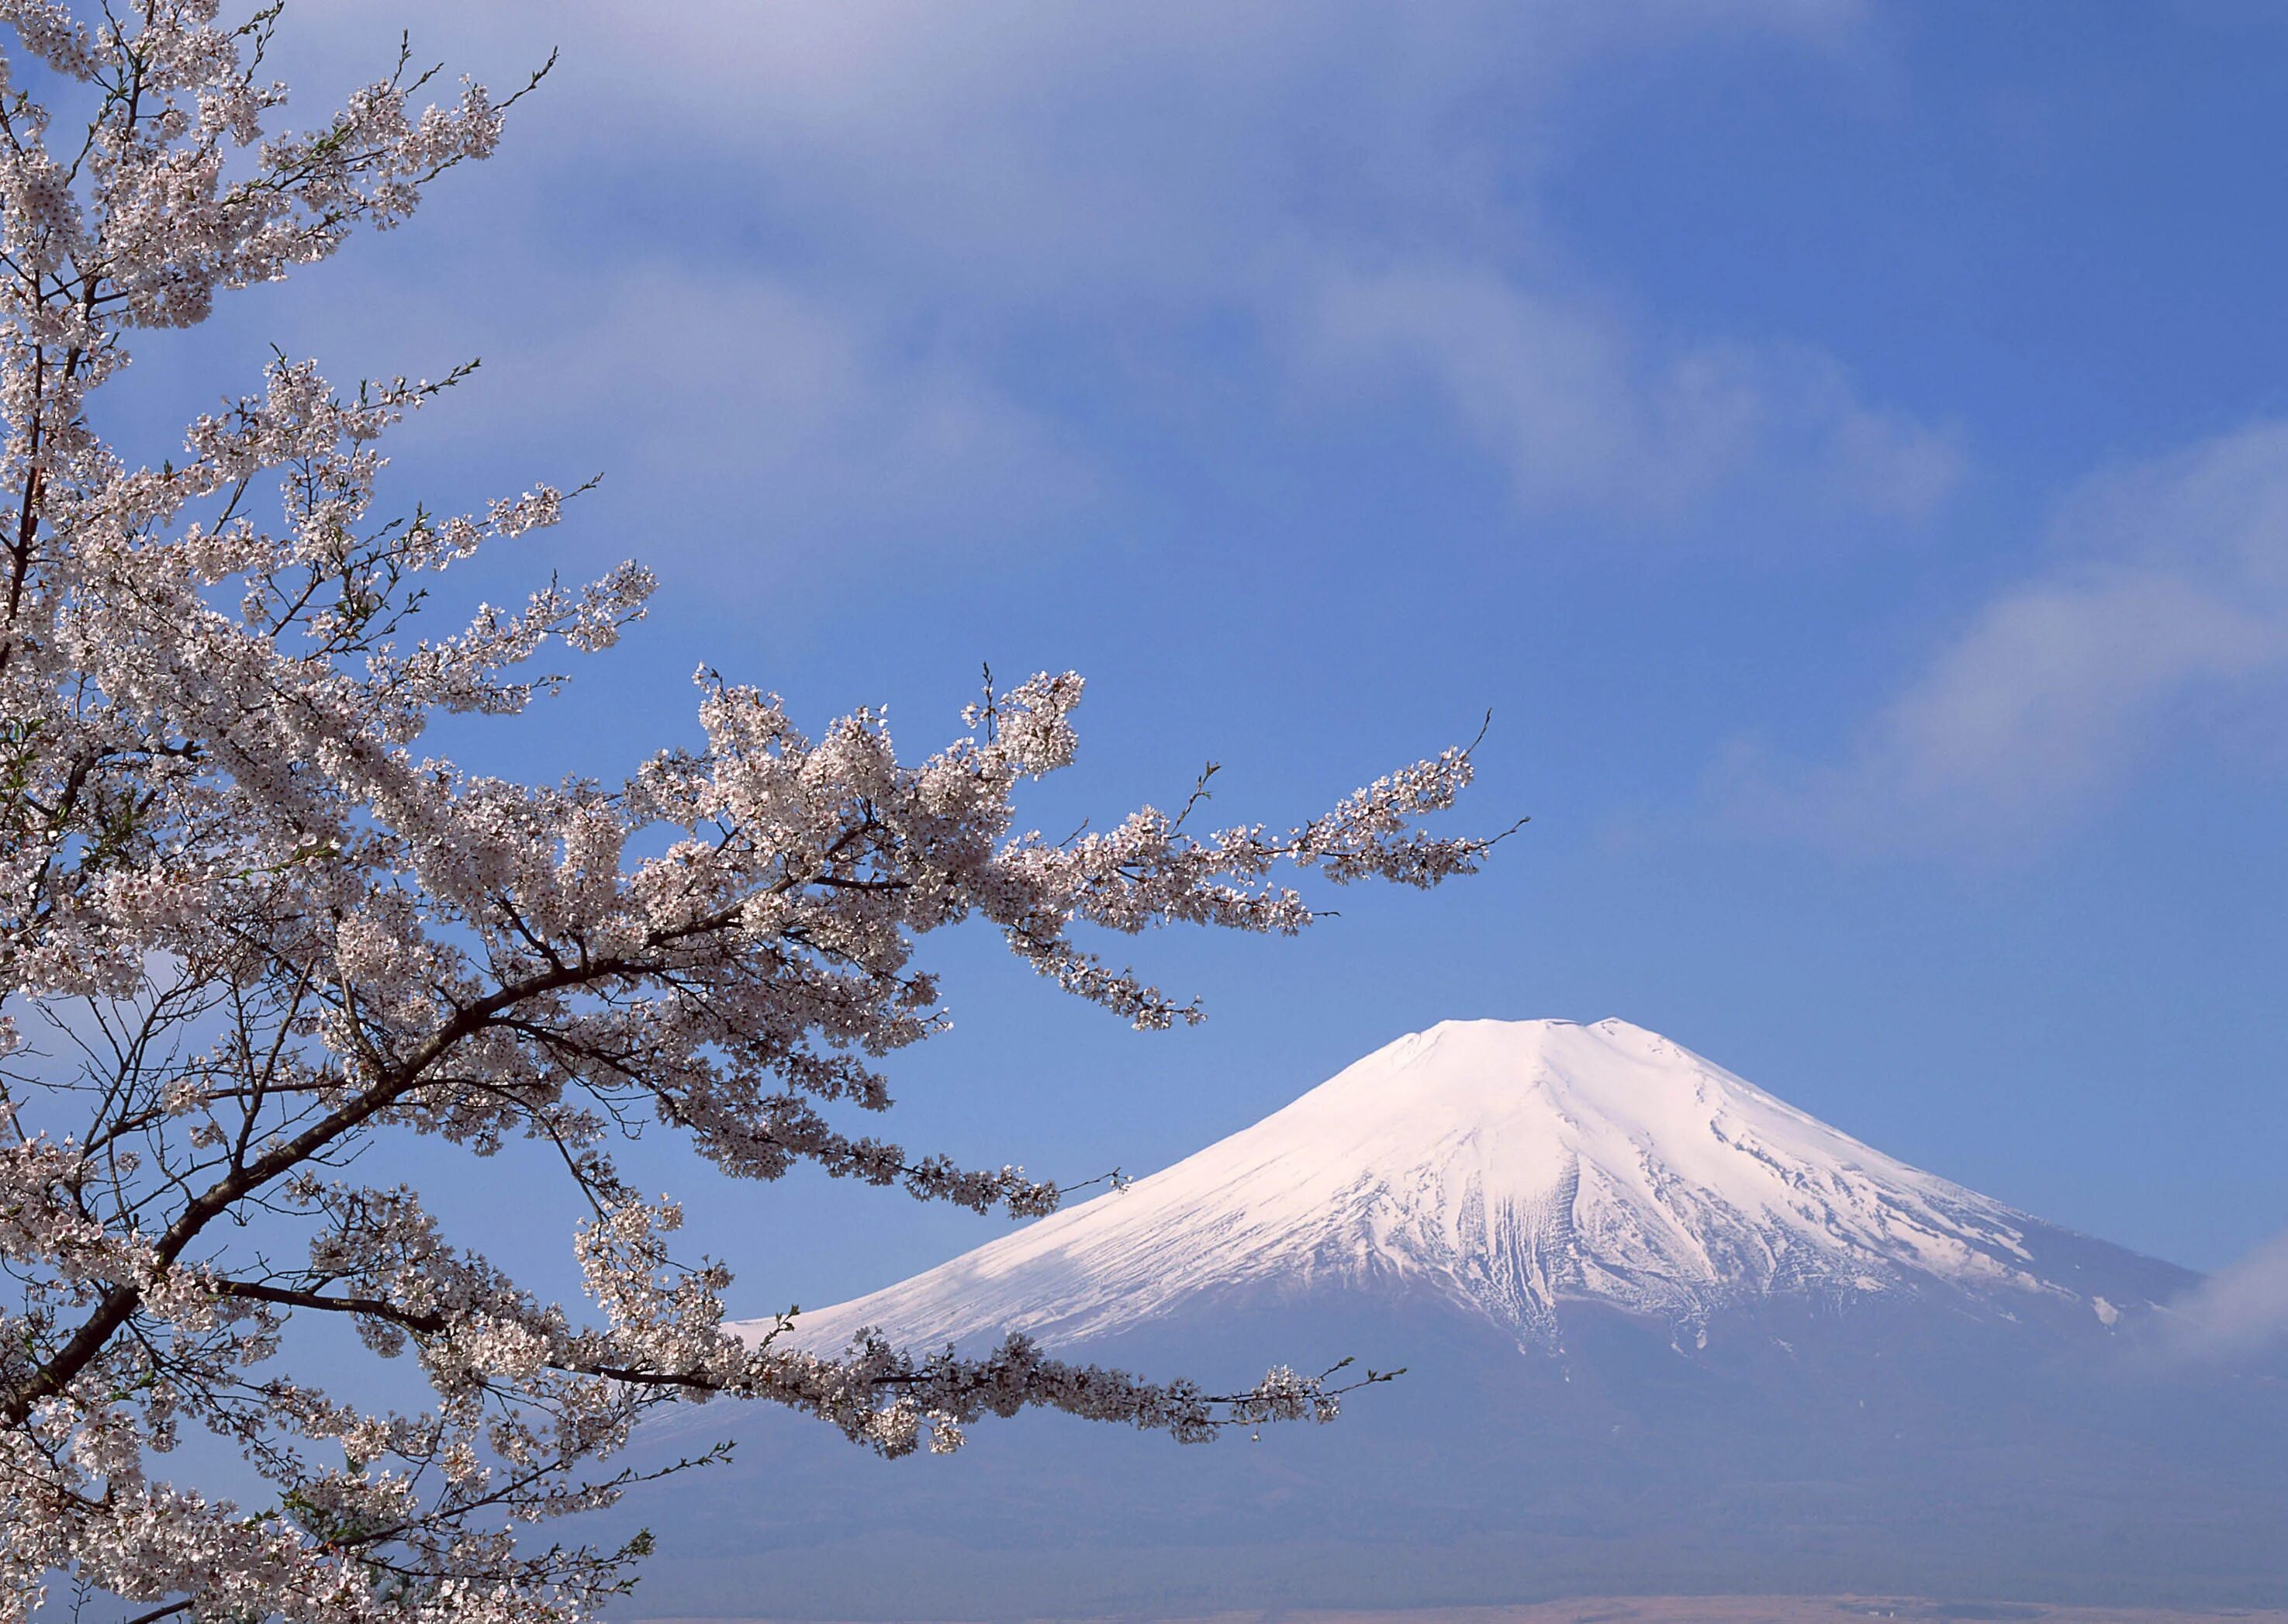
1511,1166
1903,1383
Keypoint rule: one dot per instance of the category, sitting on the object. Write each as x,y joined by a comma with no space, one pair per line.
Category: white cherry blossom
247,926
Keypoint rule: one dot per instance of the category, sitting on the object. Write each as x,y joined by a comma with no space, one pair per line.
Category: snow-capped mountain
1664,1333
1512,1167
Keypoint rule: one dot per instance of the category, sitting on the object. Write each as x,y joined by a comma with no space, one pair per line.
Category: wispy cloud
1009,176
2237,1311
2165,601
837,430
1580,413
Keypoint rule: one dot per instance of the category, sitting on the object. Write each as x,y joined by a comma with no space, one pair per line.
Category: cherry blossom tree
248,927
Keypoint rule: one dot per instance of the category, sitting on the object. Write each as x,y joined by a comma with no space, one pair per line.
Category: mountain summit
1515,1167
1663,1333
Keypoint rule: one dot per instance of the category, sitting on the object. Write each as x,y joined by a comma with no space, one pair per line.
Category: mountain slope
1515,1167
1662,1331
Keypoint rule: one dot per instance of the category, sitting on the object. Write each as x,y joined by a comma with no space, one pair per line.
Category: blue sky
1845,449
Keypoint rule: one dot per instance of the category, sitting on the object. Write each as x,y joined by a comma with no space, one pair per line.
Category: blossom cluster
247,926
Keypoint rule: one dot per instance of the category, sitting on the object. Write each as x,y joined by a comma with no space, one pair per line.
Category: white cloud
1579,415
827,428
2237,1311
2165,600
1317,176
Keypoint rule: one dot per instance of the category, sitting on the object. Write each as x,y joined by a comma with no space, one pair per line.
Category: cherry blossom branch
267,932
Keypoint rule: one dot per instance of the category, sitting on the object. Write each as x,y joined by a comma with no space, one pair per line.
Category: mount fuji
1516,1169
1664,1333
